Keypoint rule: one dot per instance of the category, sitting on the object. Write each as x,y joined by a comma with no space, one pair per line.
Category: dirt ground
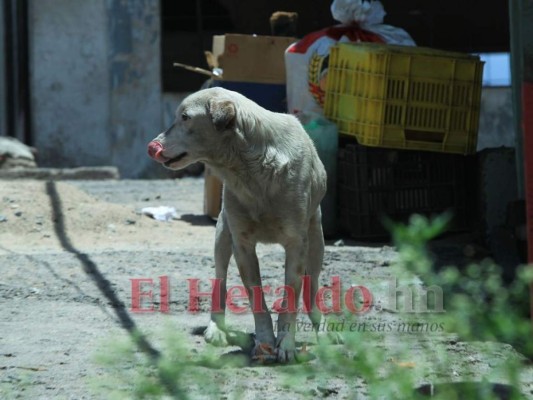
54,320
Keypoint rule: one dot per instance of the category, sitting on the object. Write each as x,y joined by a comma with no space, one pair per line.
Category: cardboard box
251,58
212,194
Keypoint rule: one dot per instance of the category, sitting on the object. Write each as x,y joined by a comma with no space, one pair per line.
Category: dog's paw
264,353
215,336
286,349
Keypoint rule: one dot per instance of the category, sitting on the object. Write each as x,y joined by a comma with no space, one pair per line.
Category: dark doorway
18,113
187,28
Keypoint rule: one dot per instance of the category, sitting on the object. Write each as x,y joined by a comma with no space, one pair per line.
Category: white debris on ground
160,213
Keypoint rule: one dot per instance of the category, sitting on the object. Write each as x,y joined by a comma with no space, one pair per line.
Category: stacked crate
413,115
375,183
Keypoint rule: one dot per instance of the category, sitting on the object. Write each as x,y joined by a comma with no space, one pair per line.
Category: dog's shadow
243,356
197,220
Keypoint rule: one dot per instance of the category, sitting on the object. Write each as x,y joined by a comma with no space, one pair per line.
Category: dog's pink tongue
155,150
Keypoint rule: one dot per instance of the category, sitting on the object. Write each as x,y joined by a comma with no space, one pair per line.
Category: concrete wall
135,78
95,81
496,126
70,82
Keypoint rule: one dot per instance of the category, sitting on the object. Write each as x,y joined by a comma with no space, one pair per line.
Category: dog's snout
154,148
155,151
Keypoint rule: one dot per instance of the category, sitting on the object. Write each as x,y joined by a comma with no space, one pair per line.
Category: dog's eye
185,117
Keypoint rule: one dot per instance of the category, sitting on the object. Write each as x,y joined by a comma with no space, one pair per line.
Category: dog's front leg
248,265
216,330
295,256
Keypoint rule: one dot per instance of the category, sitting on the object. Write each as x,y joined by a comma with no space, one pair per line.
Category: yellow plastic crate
405,97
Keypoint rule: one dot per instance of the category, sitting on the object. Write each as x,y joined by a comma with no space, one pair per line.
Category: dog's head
201,127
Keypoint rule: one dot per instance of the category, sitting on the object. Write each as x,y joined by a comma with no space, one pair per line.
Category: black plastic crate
376,183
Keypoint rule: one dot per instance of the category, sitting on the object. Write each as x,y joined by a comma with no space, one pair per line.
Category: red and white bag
306,61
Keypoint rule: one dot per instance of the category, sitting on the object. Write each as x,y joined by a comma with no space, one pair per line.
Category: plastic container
405,97
325,136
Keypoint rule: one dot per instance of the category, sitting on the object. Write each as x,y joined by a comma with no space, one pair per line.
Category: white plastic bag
306,61
161,213
363,12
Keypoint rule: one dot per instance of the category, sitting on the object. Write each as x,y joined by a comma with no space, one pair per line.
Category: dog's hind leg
216,330
295,257
315,258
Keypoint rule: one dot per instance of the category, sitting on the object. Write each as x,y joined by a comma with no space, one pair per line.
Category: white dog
273,185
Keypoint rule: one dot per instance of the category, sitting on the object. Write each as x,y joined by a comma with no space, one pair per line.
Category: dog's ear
222,113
